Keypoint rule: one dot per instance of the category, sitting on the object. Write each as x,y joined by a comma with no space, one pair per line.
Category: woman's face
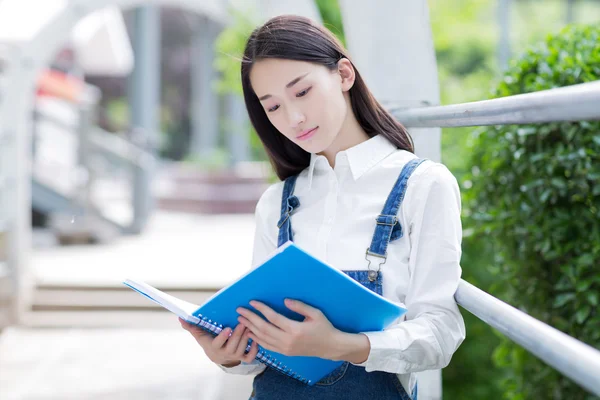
306,102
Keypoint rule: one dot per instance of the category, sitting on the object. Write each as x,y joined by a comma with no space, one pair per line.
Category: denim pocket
334,376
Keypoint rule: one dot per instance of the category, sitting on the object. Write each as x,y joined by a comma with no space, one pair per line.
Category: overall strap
289,203
388,227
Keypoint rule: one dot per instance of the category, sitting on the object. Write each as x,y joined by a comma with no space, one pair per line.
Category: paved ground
111,364
125,363
175,250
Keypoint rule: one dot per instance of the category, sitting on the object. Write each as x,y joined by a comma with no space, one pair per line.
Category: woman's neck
350,135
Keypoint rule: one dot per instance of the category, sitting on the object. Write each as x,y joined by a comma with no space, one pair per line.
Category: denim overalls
347,381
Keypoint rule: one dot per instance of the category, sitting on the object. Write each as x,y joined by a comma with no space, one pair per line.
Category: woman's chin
313,145
312,148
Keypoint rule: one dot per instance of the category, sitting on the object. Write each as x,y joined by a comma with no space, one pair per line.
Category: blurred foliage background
535,203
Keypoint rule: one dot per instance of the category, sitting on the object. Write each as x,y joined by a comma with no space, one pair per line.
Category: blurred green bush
535,206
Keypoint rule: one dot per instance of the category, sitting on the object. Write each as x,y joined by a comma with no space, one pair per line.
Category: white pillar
145,105
205,100
504,34
15,163
237,128
570,13
392,47
306,8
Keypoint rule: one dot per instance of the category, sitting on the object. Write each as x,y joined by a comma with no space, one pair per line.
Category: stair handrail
570,356
573,358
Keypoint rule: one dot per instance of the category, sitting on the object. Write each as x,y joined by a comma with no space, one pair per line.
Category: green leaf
563,299
582,314
582,286
501,355
558,183
587,259
545,195
592,298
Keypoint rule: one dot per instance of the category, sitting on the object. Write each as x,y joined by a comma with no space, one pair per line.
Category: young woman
353,194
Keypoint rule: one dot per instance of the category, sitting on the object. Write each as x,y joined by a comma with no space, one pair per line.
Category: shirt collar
361,157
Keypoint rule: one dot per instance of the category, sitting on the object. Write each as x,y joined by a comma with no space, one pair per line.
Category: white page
181,308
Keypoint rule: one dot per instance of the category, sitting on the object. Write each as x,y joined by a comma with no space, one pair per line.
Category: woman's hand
315,336
227,348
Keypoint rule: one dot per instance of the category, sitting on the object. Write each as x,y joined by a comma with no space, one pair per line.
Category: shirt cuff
383,356
254,368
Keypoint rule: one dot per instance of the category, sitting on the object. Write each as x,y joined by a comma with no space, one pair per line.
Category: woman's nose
295,118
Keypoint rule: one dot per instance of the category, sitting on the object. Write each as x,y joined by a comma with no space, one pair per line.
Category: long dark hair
297,38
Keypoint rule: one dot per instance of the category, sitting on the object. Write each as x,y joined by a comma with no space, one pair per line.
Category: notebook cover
293,273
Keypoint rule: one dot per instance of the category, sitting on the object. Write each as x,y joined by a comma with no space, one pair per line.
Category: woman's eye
275,107
303,93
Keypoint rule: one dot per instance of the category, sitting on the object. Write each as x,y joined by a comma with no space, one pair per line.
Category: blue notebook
290,272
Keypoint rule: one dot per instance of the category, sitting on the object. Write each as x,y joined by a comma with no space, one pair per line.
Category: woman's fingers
265,341
202,337
227,346
258,325
234,339
272,316
248,358
242,345
221,338
191,328
185,325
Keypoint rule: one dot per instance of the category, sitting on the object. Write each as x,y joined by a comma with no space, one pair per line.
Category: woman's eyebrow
289,85
293,82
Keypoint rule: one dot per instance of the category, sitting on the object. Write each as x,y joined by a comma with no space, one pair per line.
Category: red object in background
58,84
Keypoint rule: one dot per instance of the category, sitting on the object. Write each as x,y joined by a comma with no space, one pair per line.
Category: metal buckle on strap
394,220
287,216
373,274
292,204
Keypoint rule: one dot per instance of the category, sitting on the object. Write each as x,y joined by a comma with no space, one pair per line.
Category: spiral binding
262,356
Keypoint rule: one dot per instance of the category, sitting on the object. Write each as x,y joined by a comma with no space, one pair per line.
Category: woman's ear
346,71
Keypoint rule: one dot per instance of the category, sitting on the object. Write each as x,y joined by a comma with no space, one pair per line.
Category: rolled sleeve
254,368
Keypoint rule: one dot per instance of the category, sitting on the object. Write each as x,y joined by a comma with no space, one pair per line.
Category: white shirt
335,222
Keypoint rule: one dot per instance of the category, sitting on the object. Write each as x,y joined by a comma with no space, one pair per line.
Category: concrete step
147,319
186,188
206,206
70,306
107,298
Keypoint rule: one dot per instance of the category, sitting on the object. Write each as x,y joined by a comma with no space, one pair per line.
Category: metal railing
570,356
108,165
572,103
573,358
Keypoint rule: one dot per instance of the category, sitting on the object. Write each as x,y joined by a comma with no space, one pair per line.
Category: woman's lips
307,134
